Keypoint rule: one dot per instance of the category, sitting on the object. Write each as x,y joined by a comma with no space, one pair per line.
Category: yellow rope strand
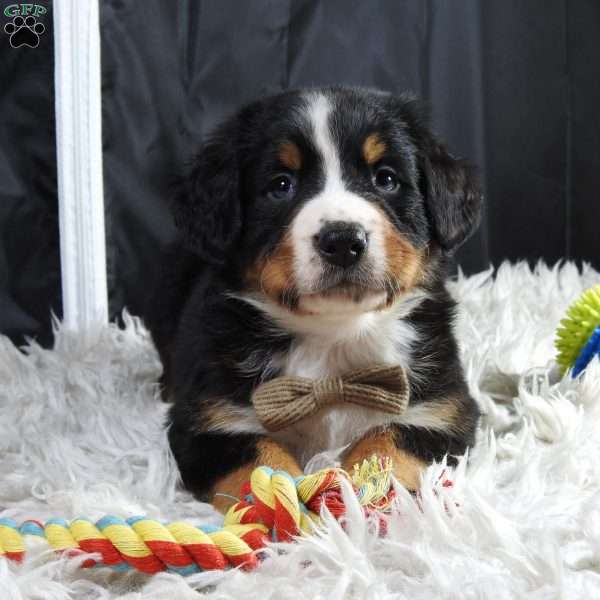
277,507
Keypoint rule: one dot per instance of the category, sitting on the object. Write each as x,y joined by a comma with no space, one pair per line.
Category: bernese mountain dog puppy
316,230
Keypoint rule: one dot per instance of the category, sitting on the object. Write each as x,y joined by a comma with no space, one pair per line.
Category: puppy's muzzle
341,244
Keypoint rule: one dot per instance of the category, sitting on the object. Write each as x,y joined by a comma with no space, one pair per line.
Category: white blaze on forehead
319,109
333,203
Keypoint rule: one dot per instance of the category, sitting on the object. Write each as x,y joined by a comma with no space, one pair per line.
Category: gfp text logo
25,28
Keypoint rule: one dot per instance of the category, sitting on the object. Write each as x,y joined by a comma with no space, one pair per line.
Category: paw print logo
24,31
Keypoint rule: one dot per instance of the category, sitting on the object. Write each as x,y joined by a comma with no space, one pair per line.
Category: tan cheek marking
407,467
405,264
290,156
274,275
373,149
268,453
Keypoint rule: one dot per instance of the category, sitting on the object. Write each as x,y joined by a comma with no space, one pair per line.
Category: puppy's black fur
216,347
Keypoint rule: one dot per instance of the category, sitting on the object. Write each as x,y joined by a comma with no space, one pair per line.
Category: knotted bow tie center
328,390
285,400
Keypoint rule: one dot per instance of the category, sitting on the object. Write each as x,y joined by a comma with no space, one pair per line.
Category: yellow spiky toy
578,337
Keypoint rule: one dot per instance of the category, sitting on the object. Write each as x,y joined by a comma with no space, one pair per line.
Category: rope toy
274,506
578,336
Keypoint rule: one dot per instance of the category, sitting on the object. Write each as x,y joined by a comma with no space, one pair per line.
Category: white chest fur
335,347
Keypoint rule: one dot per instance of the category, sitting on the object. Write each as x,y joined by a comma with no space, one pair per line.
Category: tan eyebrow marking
373,148
290,156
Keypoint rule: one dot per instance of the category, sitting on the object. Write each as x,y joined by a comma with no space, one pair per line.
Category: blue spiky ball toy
578,336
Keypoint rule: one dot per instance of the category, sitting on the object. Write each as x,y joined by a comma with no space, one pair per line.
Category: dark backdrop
512,84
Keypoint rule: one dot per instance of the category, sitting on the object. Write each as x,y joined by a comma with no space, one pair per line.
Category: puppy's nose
342,244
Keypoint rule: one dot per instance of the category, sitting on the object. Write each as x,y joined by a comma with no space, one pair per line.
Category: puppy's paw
407,467
226,491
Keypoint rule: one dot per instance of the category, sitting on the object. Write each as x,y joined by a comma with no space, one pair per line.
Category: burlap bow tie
285,400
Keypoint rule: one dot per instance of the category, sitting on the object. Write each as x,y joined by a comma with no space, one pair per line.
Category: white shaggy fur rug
81,434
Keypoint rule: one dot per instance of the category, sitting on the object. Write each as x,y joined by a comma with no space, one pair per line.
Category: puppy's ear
206,204
452,194
449,185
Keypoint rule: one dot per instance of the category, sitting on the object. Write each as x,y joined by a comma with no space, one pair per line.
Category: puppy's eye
281,187
386,180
